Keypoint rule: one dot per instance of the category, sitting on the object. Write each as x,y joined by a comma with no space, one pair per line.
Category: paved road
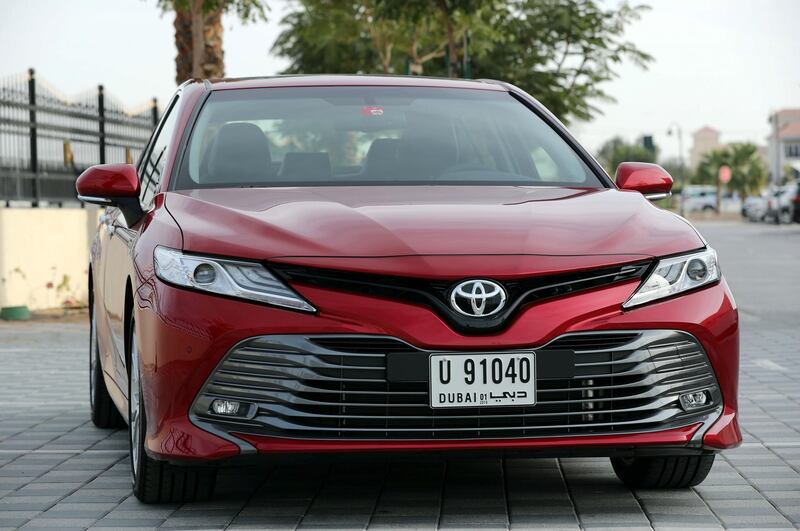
58,471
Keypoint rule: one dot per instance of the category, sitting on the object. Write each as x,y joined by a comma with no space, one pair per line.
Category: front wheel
158,481
669,472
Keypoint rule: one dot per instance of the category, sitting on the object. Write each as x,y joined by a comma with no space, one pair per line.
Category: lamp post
675,128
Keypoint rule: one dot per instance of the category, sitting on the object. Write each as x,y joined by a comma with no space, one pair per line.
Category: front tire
669,472
104,412
158,481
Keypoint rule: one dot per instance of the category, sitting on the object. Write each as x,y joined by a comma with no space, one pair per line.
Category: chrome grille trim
435,294
625,381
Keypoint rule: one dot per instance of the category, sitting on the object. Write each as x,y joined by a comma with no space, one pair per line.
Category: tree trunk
382,42
198,40
416,61
452,51
414,66
213,65
183,45
198,48
386,58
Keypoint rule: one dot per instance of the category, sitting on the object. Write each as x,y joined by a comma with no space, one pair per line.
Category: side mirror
112,185
651,180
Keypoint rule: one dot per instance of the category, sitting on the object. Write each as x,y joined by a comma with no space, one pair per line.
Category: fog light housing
695,400
225,407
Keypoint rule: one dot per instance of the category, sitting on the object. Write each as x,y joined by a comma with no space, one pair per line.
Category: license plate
478,380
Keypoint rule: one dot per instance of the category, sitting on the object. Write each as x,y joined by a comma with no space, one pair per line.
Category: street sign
724,174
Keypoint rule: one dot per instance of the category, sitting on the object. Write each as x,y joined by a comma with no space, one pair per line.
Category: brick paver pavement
58,471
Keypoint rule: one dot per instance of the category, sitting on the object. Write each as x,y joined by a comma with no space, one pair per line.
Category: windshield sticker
371,110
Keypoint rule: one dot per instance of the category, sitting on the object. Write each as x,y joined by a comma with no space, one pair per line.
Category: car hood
330,225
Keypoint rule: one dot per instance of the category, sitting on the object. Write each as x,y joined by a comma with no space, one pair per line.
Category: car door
118,265
100,247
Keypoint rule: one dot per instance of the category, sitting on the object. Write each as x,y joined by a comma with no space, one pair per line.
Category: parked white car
755,207
698,198
703,198
782,205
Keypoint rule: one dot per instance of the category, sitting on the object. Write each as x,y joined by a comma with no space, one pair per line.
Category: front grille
336,387
434,294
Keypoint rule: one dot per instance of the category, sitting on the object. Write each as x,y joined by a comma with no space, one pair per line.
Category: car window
315,136
152,167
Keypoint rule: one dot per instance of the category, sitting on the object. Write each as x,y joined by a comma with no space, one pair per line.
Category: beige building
783,143
704,140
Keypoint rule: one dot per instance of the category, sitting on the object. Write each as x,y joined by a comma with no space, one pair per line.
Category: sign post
724,177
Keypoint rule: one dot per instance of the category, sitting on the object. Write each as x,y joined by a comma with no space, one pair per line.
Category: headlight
676,275
245,280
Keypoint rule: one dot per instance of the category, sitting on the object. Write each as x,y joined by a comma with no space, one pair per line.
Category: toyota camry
318,264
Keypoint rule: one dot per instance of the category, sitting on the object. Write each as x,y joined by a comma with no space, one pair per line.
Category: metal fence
47,140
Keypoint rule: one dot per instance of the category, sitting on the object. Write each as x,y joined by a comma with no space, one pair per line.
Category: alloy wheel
135,407
158,481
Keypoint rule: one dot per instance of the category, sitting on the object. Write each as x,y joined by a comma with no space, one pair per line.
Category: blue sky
724,63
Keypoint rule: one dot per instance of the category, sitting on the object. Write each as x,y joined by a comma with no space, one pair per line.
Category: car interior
322,142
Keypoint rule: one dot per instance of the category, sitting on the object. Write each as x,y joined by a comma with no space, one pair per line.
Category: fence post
68,157
32,119
155,112
101,113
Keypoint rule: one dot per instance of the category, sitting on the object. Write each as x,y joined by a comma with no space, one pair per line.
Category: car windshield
316,136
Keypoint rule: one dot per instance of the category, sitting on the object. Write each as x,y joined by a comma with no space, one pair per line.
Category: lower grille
336,387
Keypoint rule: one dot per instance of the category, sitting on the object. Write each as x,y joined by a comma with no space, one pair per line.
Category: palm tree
748,172
198,33
617,150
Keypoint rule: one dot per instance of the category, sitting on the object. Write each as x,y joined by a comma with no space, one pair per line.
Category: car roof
341,80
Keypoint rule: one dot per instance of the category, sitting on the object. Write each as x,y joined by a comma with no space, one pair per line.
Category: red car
382,264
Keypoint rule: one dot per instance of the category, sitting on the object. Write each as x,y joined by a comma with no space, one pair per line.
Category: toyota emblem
478,298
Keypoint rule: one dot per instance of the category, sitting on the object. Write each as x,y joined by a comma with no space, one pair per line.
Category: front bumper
186,335
344,388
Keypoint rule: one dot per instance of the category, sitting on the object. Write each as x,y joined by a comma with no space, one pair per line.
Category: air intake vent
325,387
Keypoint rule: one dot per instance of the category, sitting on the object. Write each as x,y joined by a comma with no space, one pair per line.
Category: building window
792,151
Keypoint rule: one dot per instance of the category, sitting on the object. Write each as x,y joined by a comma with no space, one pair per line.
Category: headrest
300,166
240,153
427,148
381,159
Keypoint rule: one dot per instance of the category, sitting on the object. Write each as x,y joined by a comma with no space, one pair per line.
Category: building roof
347,80
788,112
791,130
706,129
